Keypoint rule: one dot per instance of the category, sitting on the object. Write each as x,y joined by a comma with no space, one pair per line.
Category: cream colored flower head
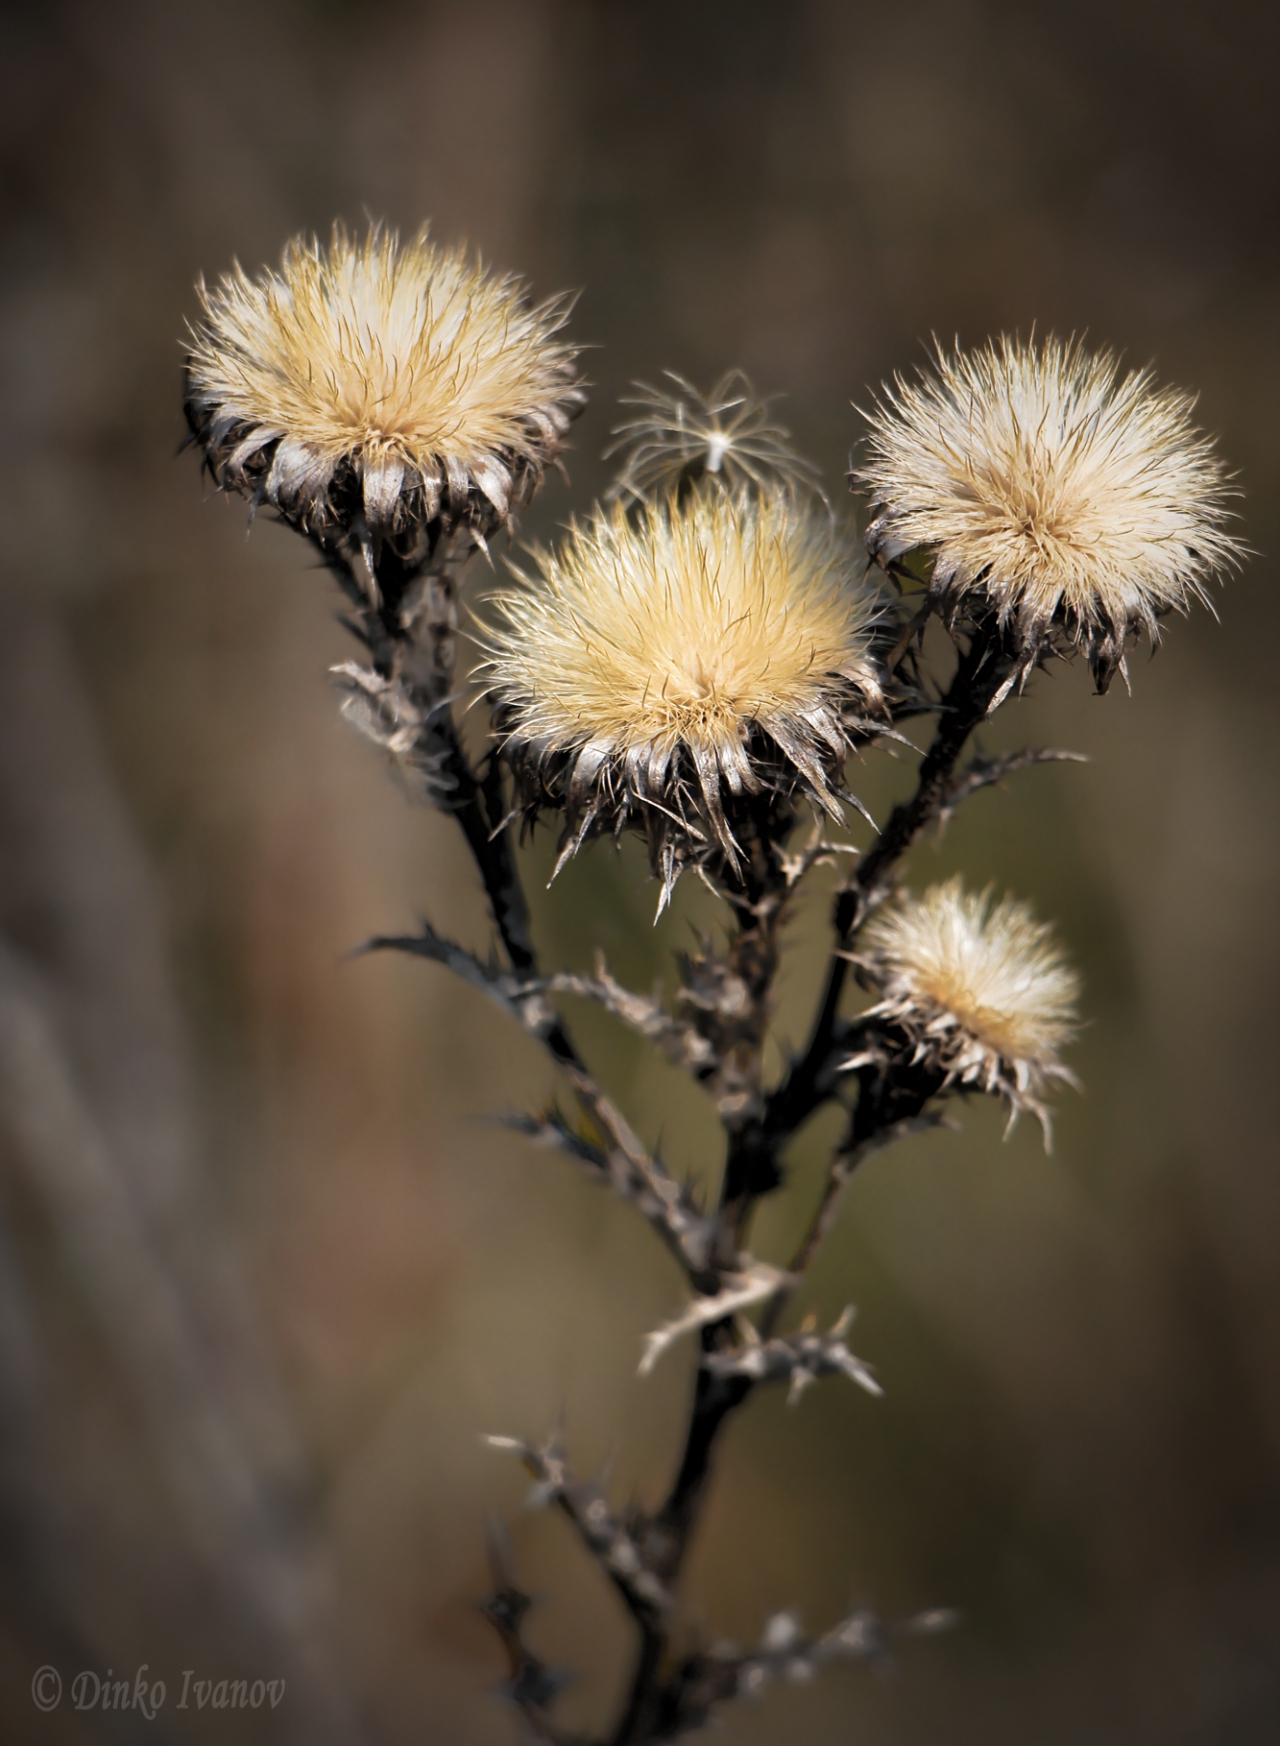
982,990
679,435
1049,487
665,665
400,384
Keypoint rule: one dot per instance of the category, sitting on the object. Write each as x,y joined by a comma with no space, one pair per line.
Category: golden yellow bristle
983,987
659,657
427,378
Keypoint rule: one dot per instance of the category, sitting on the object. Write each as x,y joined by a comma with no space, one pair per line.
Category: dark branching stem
980,672
531,1685
730,997
890,1107
883,1112
406,617
757,898
477,806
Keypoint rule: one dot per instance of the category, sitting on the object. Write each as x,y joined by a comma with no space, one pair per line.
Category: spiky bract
394,388
1045,485
668,664
725,435
981,990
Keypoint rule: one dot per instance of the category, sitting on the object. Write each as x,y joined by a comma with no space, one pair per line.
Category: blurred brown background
265,1273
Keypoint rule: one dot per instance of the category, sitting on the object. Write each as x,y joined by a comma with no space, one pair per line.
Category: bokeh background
266,1272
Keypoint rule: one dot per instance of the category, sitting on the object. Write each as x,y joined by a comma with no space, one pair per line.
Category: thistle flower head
982,990
397,384
1052,489
667,663
725,435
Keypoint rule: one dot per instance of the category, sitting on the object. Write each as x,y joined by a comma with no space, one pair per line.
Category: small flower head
726,435
394,390
981,990
1072,500
666,663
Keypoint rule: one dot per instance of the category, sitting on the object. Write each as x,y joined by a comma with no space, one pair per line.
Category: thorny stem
478,807
887,1110
490,845
981,670
646,1686
751,1167
757,1126
404,612
408,622
751,961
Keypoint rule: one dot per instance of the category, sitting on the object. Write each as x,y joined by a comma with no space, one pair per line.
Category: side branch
531,1686
865,1140
982,772
798,1360
407,622
608,1540
755,1283
704,1679
981,672
681,1042
681,1224
671,1209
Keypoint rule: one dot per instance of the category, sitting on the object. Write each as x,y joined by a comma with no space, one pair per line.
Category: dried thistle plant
697,662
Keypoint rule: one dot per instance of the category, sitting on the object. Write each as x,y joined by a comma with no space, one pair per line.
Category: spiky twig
609,1540
755,1283
981,772
680,1042
531,1685
668,1206
717,1675
527,1002
798,1360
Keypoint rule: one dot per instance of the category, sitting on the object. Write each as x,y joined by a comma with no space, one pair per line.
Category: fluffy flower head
1044,482
397,380
663,656
982,988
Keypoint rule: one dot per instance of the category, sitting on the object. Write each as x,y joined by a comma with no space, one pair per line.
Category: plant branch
608,1539
709,1677
681,1042
757,1282
758,1135
406,617
981,671
856,1150
677,1217
726,1375
981,772
798,1360
681,1223
843,1165
531,1686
